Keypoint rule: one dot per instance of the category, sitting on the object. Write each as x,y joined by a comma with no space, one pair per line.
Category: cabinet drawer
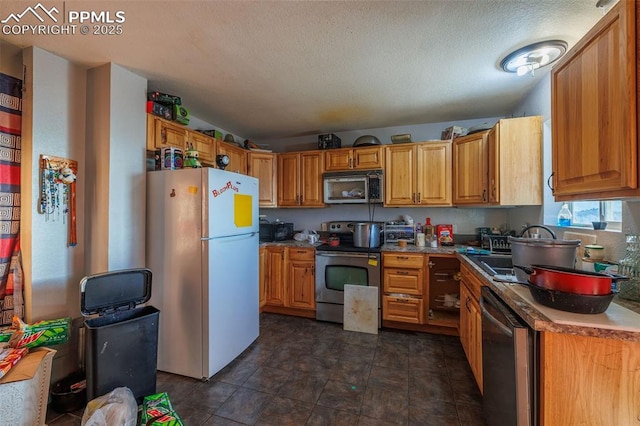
405,281
470,280
414,261
403,309
301,254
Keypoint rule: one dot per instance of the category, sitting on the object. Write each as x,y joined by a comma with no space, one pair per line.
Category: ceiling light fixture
529,58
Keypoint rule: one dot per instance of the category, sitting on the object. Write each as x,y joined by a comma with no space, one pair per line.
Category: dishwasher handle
486,315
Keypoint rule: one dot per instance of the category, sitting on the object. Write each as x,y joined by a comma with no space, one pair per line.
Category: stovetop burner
344,231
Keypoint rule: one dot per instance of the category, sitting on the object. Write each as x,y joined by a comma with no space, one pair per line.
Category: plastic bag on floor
118,407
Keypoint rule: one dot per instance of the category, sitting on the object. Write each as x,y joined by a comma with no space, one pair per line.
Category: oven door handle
486,315
342,254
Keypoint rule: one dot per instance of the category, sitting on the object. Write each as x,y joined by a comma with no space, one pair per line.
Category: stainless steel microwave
354,187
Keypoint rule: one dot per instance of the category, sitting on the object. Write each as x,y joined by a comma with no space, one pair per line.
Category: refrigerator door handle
248,235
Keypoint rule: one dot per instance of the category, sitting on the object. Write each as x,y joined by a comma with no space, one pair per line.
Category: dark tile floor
304,372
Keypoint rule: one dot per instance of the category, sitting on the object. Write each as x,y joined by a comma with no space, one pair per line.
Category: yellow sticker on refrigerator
242,211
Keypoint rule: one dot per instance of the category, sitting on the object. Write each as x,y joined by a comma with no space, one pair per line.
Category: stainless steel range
340,265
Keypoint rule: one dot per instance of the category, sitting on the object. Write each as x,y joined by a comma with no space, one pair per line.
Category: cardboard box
24,391
453,132
445,234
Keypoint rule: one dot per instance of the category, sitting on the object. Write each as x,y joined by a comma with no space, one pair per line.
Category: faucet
549,230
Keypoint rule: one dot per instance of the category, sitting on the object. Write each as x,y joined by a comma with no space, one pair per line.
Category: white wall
53,124
418,132
116,151
465,220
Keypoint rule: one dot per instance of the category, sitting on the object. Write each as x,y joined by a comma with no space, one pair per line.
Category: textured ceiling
273,69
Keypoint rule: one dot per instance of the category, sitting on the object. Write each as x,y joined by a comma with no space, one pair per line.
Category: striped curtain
11,283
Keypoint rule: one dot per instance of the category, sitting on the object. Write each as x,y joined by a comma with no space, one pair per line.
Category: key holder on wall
58,192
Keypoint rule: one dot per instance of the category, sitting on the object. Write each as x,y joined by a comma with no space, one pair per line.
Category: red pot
571,280
333,241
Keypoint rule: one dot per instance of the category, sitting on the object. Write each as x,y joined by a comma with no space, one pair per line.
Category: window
585,212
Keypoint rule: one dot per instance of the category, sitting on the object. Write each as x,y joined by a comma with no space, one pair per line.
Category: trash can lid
116,290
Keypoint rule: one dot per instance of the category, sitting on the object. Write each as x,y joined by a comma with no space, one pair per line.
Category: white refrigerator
202,249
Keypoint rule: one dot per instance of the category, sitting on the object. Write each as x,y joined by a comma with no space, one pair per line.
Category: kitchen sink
494,264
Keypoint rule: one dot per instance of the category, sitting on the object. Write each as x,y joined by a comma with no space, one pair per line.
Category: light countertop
621,321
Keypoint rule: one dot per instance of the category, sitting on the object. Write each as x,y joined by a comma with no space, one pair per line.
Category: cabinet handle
402,300
419,198
549,184
413,197
403,273
402,257
467,304
163,135
484,195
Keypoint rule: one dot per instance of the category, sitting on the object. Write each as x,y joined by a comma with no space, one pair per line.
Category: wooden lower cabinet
301,279
275,274
289,280
471,332
471,322
403,288
403,309
588,380
262,273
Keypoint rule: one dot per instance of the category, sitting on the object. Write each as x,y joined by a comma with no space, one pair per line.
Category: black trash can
121,343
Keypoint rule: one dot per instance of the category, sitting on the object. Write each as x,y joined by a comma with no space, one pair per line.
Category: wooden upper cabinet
300,179
205,145
399,184
262,165
470,169
433,180
364,158
594,101
311,169
418,174
288,181
162,133
515,162
337,159
237,156
502,166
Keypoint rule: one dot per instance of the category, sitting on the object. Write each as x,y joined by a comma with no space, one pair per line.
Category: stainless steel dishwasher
508,365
